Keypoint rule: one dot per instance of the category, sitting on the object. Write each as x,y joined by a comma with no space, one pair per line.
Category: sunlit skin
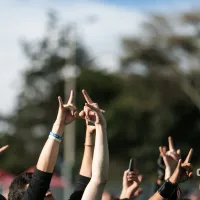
49,196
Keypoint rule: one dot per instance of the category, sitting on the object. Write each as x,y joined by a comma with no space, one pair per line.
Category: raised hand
131,182
94,115
170,158
183,171
3,148
90,113
90,127
66,113
139,190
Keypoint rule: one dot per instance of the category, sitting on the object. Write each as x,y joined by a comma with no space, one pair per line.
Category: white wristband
54,138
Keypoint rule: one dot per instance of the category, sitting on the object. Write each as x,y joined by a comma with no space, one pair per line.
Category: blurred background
139,60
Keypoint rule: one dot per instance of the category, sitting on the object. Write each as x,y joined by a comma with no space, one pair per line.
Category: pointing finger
86,96
71,97
171,144
189,156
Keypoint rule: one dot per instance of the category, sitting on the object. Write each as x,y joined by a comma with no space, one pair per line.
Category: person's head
19,186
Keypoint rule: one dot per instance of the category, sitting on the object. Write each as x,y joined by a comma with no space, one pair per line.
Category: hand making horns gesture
67,112
91,111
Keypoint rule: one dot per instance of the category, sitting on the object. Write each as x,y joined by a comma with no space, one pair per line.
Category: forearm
49,154
156,196
168,173
93,191
166,190
100,164
86,166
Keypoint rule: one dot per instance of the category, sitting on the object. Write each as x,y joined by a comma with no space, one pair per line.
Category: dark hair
2,197
19,185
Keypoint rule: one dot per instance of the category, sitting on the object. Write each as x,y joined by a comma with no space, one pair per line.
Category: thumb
59,115
178,152
97,117
179,164
82,114
125,175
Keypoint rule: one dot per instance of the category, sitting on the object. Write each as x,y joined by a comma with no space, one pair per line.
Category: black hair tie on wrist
167,189
91,123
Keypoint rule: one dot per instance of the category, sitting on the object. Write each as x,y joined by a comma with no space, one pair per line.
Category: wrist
168,173
90,133
90,140
173,180
167,189
125,194
101,126
58,128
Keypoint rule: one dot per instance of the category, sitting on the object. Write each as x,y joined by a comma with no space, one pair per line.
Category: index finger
86,96
171,144
93,108
161,151
71,97
189,156
3,148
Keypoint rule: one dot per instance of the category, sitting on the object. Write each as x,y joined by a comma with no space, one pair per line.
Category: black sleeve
174,196
157,186
39,185
80,188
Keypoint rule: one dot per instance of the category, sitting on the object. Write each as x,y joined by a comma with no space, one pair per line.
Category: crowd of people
94,169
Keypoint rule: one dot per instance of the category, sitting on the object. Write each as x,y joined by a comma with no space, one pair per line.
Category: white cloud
27,19
21,18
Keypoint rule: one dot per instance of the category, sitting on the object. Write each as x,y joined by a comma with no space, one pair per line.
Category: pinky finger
190,174
103,111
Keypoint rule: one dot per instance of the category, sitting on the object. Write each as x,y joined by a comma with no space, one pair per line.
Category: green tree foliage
166,95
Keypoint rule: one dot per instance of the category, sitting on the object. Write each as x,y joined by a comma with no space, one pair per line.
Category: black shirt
80,188
40,184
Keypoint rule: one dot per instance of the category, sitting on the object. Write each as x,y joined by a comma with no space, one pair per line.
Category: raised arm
49,154
86,166
130,185
42,175
170,158
100,164
181,174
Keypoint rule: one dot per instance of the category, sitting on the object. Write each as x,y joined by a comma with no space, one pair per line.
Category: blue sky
150,5
144,3
116,18
155,5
